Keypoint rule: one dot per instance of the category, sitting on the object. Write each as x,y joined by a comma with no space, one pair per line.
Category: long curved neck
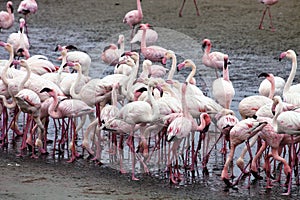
278,111
52,108
207,49
4,72
61,67
75,85
143,40
272,90
185,110
291,76
26,78
203,124
139,8
155,107
192,73
114,96
226,74
173,67
133,75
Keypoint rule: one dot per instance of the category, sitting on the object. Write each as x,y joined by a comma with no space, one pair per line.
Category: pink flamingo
265,86
151,37
81,57
153,53
67,108
134,17
222,88
40,65
112,53
7,18
287,124
268,3
183,2
192,89
214,59
20,41
27,7
154,71
291,92
241,132
139,112
251,104
183,125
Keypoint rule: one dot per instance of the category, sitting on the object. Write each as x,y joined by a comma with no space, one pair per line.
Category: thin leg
271,24
180,11
262,19
197,10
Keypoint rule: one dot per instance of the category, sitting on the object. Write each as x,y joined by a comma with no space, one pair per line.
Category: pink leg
271,24
197,10
180,11
262,19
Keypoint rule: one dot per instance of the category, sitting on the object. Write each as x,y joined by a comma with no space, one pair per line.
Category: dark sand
232,25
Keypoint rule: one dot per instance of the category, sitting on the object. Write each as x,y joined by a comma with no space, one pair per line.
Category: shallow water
182,35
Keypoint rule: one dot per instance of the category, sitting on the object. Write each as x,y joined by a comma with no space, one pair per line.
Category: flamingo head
276,101
9,5
205,42
289,54
180,66
23,53
22,24
186,63
207,121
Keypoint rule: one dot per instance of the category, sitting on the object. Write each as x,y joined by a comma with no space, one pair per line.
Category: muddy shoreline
232,26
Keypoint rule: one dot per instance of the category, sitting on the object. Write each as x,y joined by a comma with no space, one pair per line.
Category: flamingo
27,7
183,125
192,89
153,71
67,108
222,88
241,132
214,59
267,3
286,123
77,56
29,102
7,18
20,41
40,65
134,17
265,86
123,68
183,2
139,112
291,93
170,55
251,104
153,53
112,53
151,37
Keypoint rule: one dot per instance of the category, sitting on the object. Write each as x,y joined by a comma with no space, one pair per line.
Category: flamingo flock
147,111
